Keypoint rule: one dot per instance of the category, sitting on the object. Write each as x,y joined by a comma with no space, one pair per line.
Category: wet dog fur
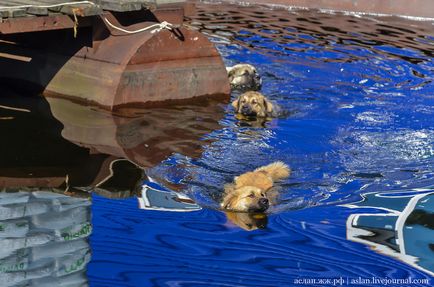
244,77
254,191
254,105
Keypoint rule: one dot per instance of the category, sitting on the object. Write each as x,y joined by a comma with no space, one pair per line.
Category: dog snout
263,203
247,110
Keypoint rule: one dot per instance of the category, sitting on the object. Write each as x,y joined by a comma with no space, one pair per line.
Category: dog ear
227,202
268,106
230,71
237,181
236,104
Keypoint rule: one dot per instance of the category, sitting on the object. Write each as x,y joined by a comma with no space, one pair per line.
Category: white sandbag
73,232
59,220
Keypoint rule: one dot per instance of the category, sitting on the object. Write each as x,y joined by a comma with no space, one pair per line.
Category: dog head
248,221
246,199
244,77
253,104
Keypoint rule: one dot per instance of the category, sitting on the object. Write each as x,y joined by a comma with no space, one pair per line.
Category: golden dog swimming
244,77
253,191
254,105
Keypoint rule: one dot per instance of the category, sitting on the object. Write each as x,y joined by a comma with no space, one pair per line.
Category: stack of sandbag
43,239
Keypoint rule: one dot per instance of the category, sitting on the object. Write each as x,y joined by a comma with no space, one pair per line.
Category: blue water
358,94
358,134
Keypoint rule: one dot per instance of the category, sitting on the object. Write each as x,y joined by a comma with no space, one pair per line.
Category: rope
75,22
14,109
156,27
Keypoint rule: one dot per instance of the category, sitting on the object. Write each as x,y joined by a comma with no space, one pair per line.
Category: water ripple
358,93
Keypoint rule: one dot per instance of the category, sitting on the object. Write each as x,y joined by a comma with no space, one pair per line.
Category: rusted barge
110,53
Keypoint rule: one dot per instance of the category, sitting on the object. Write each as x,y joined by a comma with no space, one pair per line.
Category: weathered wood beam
23,8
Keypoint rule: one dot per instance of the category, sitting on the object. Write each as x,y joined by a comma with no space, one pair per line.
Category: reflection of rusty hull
111,68
146,137
56,143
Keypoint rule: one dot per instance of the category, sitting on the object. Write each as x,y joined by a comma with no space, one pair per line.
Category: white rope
48,6
156,27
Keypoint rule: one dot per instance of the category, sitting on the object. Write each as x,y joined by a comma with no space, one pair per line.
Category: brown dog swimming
244,77
253,191
254,105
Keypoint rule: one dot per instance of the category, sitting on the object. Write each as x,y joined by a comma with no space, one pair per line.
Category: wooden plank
8,9
122,5
134,5
22,8
81,11
37,11
164,2
12,12
4,14
15,13
25,9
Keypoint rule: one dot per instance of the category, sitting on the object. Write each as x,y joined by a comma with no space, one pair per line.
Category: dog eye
251,195
254,102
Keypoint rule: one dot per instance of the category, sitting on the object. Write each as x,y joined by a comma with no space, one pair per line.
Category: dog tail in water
276,170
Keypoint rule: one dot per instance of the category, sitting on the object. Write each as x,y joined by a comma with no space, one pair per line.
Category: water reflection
36,155
248,221
44,238
57,152
324,37
143,136
154,197
400,225
76,148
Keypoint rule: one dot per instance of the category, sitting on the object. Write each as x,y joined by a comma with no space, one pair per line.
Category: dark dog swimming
244,77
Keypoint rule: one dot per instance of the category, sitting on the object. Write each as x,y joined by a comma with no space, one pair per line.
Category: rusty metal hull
113,69
152,69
